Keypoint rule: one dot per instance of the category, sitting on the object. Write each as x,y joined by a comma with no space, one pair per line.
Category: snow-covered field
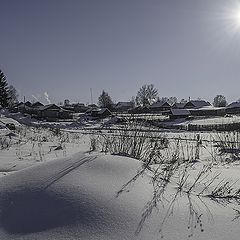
53,187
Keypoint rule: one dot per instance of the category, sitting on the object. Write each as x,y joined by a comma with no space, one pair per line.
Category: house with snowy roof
178,105
160,106
53,112
123,106
233,108
196,104
176,113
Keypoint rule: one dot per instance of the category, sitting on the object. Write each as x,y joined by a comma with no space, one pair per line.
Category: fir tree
4,96
105,101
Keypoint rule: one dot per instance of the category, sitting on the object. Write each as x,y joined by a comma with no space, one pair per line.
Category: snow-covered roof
178,105
92,106
124,104
102,110
42,108
180,112
37,104
160,104
234,105
198,103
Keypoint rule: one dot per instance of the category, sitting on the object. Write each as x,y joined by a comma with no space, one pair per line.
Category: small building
139,110
92,106
104,112
37,105
98,113
65,114
160,106
208,111
123,106
24,107
196,104
233,108
49,112
178,105
79,107
179,113
92,112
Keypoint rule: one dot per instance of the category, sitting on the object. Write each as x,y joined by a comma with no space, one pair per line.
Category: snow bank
76,198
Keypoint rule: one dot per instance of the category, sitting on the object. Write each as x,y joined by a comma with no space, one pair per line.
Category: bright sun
231,17
236,16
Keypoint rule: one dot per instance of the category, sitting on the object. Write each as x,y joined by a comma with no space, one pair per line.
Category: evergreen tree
105,101
13,96
4,95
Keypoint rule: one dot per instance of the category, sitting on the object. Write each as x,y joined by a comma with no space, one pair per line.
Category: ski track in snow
66,170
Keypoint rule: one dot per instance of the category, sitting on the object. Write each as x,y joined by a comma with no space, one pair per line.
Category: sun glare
230,17
236,16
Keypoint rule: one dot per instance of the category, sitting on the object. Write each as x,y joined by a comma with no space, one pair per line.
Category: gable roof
124,104
28,104
42,108
92,106
160,104
180,112
178,105
103,110
234,105
197,103
37,104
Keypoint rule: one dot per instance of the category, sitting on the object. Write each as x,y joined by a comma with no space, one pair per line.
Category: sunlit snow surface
76,198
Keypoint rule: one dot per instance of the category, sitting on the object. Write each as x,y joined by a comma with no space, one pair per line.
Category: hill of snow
76,198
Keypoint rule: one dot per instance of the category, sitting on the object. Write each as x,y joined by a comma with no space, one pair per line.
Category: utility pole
91,96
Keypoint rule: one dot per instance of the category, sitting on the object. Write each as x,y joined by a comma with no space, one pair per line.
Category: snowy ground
52,187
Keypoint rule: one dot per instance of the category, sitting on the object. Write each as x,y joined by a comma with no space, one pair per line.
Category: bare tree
170,100
183,100
219,101
146,95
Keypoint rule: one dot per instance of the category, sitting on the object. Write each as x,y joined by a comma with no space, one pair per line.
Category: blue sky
65,47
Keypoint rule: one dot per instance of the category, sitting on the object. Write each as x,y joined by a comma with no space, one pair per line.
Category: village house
233,108
139,110
178,105
92,106
123,106
23,107
98,113
179,113
53,112
160,106
37,105
208,111
79,107
196,104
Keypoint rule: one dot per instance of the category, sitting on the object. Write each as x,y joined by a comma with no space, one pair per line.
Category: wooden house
139,110
178,105
37,105
98,113
123,106
48,112
179,113
196,104
160,106
233,108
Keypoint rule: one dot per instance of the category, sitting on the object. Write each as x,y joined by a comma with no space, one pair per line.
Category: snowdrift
73,198
76,198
